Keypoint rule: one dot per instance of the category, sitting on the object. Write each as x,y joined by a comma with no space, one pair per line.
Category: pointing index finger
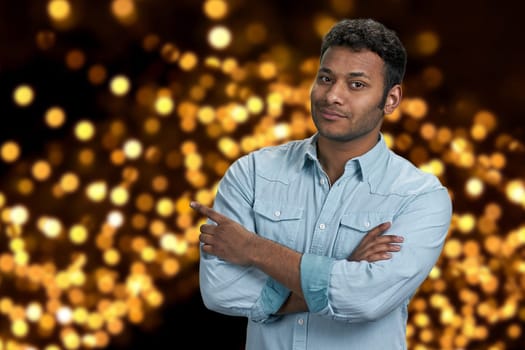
206,211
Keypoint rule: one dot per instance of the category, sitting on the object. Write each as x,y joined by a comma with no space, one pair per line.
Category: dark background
481,55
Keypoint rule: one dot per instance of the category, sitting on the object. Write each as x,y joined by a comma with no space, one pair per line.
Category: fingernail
193,204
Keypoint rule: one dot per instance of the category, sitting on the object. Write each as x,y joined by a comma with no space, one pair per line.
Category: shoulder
400,176
287,149
277,162
277,153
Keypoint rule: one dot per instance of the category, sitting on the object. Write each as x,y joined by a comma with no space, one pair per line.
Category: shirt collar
372,160
311,148
366,163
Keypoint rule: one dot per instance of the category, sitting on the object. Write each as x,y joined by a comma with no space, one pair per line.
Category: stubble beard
350,132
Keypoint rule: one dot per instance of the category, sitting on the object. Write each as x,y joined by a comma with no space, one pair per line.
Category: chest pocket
353,228
277,221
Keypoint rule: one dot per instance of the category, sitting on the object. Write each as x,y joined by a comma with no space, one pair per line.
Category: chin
334,136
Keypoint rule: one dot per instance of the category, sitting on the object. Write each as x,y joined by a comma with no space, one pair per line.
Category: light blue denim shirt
283,194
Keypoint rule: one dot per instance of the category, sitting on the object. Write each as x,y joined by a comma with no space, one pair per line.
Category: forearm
278,261
293,304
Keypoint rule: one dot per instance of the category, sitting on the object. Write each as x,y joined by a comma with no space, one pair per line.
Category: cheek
315,94
313,91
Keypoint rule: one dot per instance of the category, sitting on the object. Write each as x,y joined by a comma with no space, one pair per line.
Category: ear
393,99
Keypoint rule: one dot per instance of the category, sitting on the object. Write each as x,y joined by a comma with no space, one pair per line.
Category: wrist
254,250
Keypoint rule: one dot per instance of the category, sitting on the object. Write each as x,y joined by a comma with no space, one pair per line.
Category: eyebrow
351,74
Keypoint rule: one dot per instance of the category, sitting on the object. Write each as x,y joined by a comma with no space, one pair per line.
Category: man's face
347,93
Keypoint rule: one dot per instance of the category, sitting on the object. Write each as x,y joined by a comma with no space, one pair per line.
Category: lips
332,115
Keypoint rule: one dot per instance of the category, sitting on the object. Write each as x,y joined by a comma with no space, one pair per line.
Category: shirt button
300,321
322,226
277,213
367,224
322,181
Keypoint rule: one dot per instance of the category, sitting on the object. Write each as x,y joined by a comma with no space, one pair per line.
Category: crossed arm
232,242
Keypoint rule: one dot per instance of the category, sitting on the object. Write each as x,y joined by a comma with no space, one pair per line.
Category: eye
357,85
323,79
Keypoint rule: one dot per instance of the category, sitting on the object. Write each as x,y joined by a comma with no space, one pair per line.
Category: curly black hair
367,34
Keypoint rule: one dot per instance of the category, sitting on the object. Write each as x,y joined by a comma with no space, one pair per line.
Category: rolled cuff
315,276
273,296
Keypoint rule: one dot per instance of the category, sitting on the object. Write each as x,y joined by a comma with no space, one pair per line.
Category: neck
333,155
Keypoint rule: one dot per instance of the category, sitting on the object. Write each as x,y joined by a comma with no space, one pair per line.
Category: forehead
343,60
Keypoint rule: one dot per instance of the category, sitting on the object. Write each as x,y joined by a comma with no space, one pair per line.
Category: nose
334,95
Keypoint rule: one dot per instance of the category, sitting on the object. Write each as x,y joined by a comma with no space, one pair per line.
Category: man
296,240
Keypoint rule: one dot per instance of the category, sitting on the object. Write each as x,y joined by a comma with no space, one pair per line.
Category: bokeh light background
115,114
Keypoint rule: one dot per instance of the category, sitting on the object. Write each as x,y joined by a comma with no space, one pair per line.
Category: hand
227,239
376,246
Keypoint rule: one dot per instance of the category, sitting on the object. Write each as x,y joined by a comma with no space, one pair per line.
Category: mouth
332,115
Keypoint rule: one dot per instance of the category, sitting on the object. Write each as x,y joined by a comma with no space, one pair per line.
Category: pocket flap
364,221
275,212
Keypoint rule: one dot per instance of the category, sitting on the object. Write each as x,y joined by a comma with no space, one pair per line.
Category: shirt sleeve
231,289
361,291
